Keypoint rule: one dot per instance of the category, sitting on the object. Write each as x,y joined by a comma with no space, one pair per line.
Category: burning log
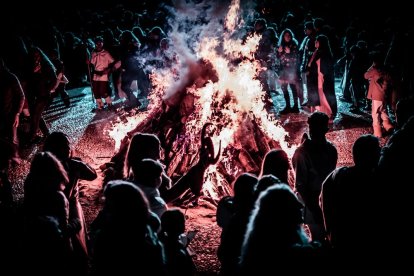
176,160
221,168
147,125
224,188
247,161
261,140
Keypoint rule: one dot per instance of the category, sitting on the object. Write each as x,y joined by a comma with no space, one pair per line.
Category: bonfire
213,87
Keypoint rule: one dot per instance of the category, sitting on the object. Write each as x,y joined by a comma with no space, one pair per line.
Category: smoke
191,22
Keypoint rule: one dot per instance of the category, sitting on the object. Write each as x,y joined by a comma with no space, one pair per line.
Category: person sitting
178,259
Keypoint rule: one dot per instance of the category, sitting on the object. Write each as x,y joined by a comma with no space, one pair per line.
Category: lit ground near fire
93,145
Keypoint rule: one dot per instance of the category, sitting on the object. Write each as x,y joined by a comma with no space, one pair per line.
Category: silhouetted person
265,182
347,204
232,216
102,62
313,160
324,60
287,53
179,262
379,82
41,80
395,172
147,175
62,80
145,145
58,143
125,243
11,104
131,66
276,162
265,53
306,49
275,241
46,249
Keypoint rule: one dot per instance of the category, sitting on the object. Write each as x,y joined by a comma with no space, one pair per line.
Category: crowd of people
270,223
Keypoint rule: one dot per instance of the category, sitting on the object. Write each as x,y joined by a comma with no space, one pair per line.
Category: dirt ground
90,142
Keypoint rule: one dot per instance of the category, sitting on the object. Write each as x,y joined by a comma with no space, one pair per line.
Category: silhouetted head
366,151
123,199
276,162
129,40
260,25
318,125
46,174
156,34
276,217
173,222
265,182
58,144
142,145
165,43
322,43
99,43
318,23
308,26
148,172
244,188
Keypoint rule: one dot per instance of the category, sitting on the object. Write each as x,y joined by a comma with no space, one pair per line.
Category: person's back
46,245
313,161
58,143
395,172
124,242
234,229
275,240
346,199
179,262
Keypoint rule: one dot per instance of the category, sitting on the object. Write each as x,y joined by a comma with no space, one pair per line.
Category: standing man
313,161
102,62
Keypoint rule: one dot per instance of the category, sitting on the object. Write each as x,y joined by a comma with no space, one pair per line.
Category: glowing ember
232,102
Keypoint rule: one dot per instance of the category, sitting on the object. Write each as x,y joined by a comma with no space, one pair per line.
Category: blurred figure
323,58
132,67
11,104
102,63
379,81
41,81
306,49
62,80
264,54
